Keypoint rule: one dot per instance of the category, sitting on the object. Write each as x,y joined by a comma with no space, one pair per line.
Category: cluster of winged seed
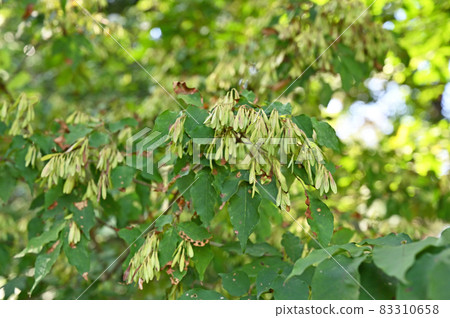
68,165
181,254
21,112
108,158
247,137
71,164
144,266
74,234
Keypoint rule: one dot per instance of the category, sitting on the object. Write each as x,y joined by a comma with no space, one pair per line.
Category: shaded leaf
376,282
265,280
283,109
318,256
204,196
418,277
76,132
164,121
331,281
304,123
122,176
192,99
36,243
326,135
163,220
85,218
201,294
202,257
44,263
253,249
194,231
293,289
78,255
167,246
391,239
396,260
438,287
243,211
236,283
322,221
292,245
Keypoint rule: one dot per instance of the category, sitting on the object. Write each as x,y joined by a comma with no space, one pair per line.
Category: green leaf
85,218
267,262
44,263
122,177
204,196
76,132
249,95
396,260
167,246
294,289
253,249
444,239
346,76
322,221
184,183
292,245
130,235
134,239
36,243
143,191
268,191
35,227
231,184
45,143
342,236
236,283
243,211
202,131
331,281
304,123
315,257
269,217
195,128
5,258
318,256
283,109
192,99
300,172
391,239
6,186
115,127
418,277
98,139
10,287
52,195
163,220
78,255
194,231
179,275
201,294
376,282
164,121
438,287
325,94
202,257
265,280
326,136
